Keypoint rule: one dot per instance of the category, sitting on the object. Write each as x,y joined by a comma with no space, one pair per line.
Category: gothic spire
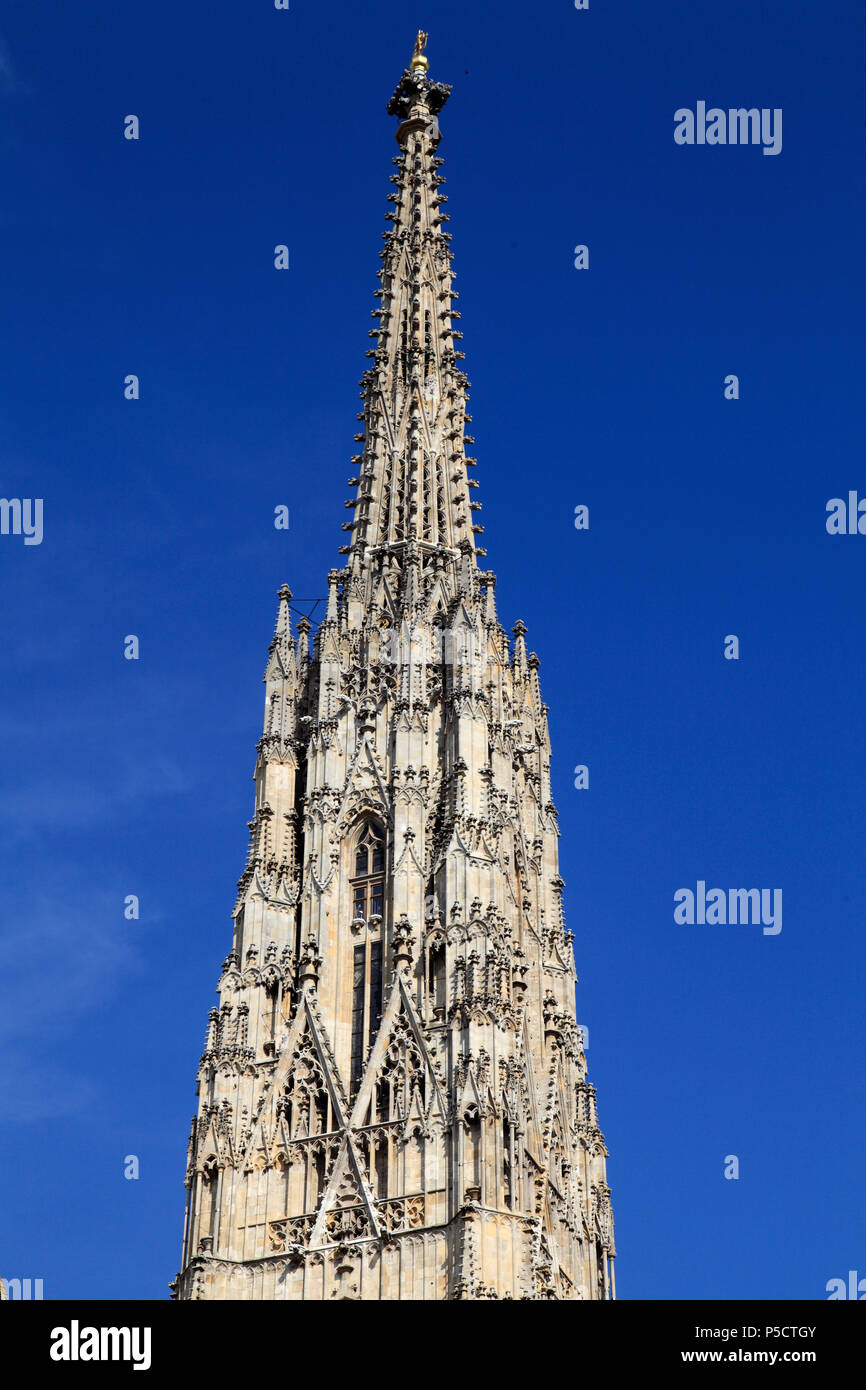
412,482
392,1100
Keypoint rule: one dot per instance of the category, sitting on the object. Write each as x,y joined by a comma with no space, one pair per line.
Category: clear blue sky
602,387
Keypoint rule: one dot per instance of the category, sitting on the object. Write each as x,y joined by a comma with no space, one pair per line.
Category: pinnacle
411,479
282,637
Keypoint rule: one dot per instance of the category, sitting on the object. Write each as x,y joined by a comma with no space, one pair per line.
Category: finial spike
419,62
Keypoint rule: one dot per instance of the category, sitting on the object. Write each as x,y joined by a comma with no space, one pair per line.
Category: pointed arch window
368,900
368,880
436,980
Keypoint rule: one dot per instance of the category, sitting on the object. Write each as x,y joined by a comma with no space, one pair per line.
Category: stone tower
393,1100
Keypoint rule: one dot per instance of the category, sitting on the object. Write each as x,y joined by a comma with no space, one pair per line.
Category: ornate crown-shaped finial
415,87
419,62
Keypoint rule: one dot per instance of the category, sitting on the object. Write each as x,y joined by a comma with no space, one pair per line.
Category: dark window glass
382,1169
375,987
358,973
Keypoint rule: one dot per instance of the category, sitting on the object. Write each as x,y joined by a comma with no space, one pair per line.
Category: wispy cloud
63,958
89,780
78,804
8,75
70,950
31,1091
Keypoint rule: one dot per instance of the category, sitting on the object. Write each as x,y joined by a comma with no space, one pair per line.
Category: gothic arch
367,849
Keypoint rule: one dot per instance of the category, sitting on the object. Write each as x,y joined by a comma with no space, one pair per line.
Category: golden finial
419,62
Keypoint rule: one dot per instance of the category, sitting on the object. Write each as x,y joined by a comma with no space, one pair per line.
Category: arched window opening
507,1161
317,1180
383,1101
368,883
436,981
368,904
382,1169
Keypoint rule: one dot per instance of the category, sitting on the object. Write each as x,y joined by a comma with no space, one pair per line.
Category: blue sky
602,387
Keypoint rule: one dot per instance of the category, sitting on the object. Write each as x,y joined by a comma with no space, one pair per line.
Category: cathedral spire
392,1099
412,482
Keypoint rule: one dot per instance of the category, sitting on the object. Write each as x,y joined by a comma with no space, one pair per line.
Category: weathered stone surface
393,1100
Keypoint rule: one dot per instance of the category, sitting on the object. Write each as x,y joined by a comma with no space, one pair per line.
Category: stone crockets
393,1100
